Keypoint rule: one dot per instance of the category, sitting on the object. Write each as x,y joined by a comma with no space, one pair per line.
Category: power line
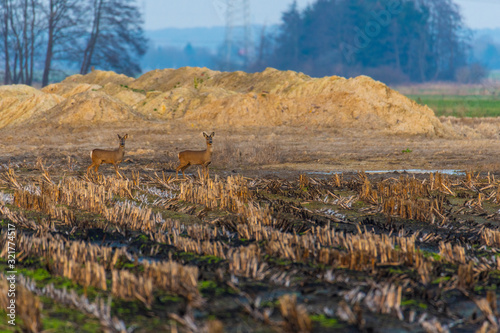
237,14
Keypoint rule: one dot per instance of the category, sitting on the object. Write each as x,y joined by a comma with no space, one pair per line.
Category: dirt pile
206,98
100,78
168,79
282,98
19,104
69,89
90,107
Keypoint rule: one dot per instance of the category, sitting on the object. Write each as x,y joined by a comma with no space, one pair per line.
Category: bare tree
62,28
4,29
96,10
19,33
116,39
34,34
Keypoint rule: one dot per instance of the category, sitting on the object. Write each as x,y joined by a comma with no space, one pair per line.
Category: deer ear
205,134
125,136
213,133
119,137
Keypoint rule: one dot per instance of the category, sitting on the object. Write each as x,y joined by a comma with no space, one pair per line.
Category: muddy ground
408,251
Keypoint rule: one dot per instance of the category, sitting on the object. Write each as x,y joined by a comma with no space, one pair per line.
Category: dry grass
240,154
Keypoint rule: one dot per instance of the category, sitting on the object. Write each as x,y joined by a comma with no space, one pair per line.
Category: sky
478,14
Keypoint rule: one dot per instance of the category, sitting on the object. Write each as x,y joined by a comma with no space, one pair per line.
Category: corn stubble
379,249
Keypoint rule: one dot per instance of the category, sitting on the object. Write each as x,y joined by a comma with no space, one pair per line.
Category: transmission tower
238,39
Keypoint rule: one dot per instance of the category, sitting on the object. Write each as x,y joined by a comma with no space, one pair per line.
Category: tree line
391,40
79,34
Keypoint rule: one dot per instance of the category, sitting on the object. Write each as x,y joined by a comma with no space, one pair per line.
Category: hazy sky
205,13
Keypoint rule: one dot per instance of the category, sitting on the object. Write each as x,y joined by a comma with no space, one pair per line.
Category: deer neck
121,150
209,150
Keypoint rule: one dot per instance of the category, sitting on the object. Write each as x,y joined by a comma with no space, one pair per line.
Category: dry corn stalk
175,278
27,305
127,285
295,315
245,261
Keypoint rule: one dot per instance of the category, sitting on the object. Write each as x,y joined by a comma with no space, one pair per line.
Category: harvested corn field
342,252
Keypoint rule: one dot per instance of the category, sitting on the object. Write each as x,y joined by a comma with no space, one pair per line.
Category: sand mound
124,93
117,90
99,78
168,79
18,91
69,89
91,107
178,102
269,81
275,98
363,102
206,98
20,103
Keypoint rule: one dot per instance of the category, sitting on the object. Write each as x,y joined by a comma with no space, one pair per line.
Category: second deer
101,156
196,157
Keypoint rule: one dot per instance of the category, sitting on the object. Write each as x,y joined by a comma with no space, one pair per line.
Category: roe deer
196,157
100,156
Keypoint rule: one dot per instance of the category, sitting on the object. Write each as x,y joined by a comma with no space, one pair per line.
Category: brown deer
101,156
196,157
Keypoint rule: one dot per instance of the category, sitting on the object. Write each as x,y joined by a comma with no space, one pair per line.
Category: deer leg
181,167
177,171
184,168
88,169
